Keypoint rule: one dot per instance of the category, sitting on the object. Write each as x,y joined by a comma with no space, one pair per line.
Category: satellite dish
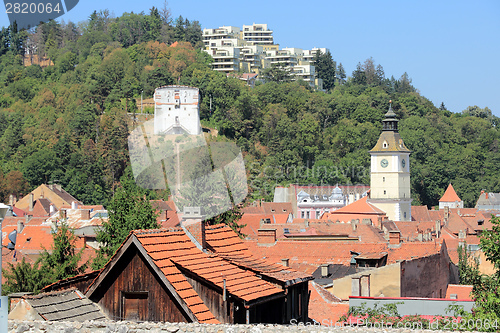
12,236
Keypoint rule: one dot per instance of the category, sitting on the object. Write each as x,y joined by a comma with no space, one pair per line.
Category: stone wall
149,327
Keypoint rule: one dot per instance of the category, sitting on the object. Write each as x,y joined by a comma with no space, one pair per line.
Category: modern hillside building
252,49
257,34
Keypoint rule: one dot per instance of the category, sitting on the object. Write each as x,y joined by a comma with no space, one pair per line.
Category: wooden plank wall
132,275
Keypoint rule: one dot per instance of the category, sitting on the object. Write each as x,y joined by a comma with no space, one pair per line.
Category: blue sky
450,49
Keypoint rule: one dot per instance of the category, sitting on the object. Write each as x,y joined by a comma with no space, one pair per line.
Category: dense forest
68,122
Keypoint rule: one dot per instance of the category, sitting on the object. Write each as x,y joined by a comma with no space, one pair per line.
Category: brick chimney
394,237
266,236
446,214
193,225
85,214
31,201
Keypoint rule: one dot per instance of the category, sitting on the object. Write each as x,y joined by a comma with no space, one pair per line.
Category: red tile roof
34,238
13,257
225,243
410,230
450,195
324,307
463,292
420,214
308,255
456,224
18,212
161,245
171,248
360,206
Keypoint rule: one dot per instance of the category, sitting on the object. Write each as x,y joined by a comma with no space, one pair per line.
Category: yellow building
390,172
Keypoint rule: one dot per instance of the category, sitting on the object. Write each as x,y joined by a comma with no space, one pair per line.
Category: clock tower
390,171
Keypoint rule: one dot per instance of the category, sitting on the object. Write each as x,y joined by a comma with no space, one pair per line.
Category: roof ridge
50,293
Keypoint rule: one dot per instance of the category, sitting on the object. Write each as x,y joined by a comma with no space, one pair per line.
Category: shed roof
68,305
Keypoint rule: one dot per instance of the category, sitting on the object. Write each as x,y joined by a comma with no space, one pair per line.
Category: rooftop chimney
52,209
446,214
285,262
324,270
438,228
354,224
192,223
63,214
394,237
31,201
20,225
266,236
74,205
85,214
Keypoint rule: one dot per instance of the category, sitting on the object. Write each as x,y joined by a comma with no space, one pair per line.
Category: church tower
390,172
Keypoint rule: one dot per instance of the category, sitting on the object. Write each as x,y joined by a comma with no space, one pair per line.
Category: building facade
252,49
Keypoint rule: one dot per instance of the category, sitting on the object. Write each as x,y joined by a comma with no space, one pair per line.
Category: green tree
23,277
128,210
63,260
278,72
468,267
325,68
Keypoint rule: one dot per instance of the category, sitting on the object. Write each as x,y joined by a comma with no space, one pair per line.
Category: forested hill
68,123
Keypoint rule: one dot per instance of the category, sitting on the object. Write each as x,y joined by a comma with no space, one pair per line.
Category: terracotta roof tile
219,236
308,255
361,206
411,230
324,307
450,195
176,246
462,292
420,214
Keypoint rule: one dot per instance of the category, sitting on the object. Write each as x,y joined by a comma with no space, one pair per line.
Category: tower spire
390,123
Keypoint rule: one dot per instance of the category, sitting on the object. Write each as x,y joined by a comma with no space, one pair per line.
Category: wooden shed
161,275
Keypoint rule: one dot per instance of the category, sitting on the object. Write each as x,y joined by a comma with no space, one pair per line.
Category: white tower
390,172
177,110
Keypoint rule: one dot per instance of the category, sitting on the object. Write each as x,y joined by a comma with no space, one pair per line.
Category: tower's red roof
450,195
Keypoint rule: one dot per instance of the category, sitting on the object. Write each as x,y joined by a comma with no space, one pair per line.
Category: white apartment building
309,54
225,32
254,56
257,34
226,58
252,49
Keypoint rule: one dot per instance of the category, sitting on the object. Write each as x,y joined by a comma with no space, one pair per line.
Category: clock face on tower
403,163
384,163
